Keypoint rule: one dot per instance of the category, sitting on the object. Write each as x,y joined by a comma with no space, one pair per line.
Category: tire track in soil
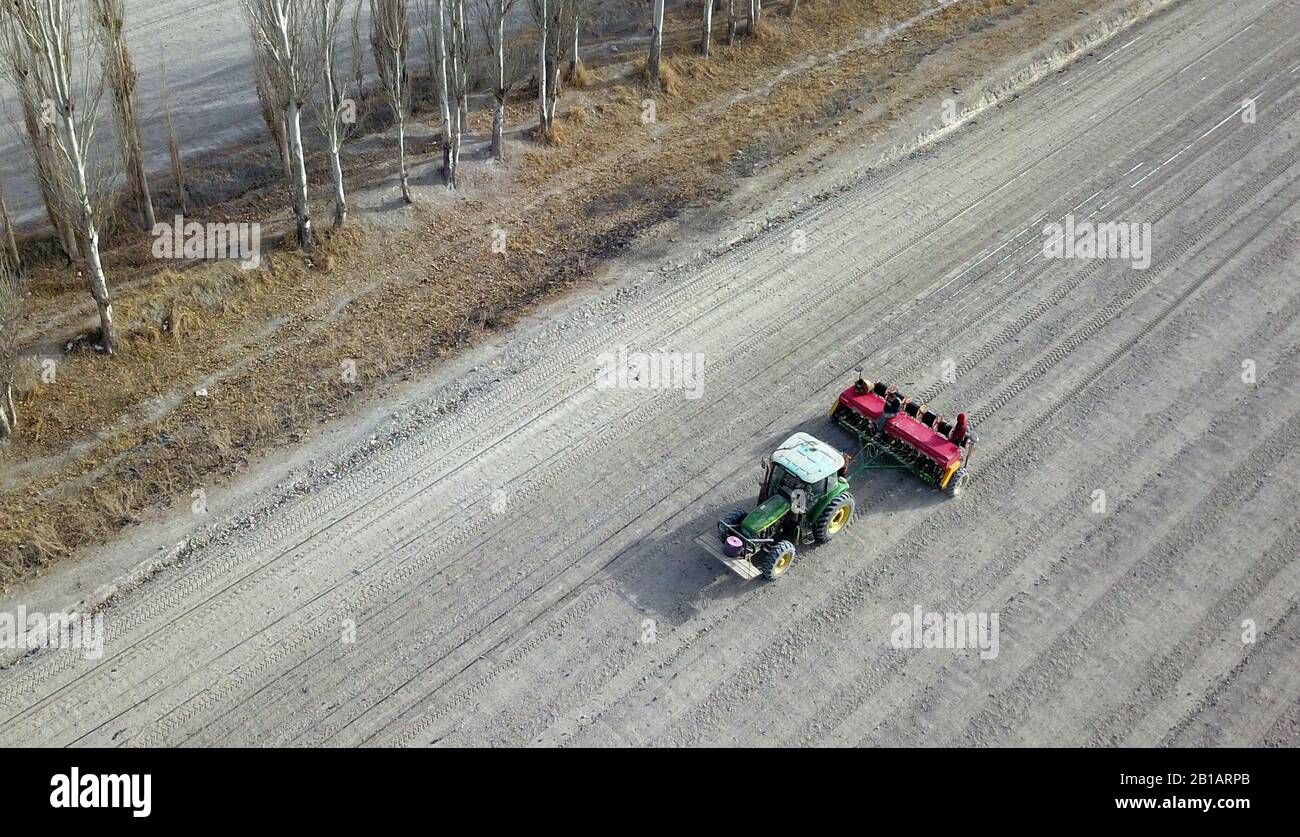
1216,93
1275,324
1163,674
1092,68
905,373
862,187
1263,644
1052,524
648,559
1077,339
1003,458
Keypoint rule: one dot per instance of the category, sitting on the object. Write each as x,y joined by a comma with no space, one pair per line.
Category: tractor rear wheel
777,559
735,517
834,517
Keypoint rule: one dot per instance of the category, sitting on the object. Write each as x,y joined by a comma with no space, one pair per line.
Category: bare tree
390,35
173,144
39,125
492,19
552,47
656,41
444,70
447,43
706,28
755,15
792,8
459,55
337,112
542,18
13,299
448,47
47,28
272,114
575,59
732,23
108,17
279,29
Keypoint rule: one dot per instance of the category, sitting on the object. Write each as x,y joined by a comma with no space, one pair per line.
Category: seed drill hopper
895,430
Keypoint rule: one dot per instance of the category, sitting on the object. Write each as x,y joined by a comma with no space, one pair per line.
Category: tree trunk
499,94
460,70
11,241
571,69
135,179
340,199
453,147
12,301
755,13
706,30
731,22
794,7
498,123
8,411
141,178
283,144
301,209
88,230
403,177
333,133
98,282
95,268
121,75
178,164
64,222
656,41
450,120
68,238
544,125
552,89
459,118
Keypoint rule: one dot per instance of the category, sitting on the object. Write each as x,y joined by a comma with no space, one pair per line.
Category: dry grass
557,134
669,81
115,437
580,78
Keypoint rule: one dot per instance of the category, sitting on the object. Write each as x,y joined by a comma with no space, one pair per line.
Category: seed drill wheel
777,559
957,484
834,517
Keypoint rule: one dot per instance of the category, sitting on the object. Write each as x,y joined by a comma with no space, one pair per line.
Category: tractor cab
802,470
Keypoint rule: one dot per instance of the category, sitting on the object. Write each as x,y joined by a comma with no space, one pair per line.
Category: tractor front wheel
777,559
834,517
957,484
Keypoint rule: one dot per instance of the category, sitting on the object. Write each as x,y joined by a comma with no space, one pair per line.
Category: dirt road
517,567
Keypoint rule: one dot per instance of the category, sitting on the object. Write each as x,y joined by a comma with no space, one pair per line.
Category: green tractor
805,499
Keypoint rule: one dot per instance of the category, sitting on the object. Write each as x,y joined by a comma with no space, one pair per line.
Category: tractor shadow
673,579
